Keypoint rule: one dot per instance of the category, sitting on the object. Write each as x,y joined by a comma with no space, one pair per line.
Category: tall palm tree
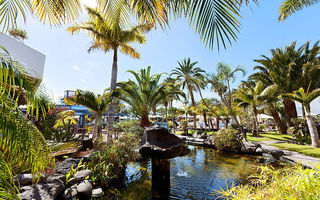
144,94
111,35
289,7
221,84
190,78
22,146
96,103
289,69
305,98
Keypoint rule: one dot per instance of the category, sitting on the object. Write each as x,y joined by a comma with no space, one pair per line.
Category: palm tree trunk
313,131
166,110
113,85
303,111
145,122
290,110
256,123
218,123
95,128
282,126
193,105
99,126
205,121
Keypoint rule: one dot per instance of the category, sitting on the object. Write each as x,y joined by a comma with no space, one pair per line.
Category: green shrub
109,161
290,183
227,140
131,126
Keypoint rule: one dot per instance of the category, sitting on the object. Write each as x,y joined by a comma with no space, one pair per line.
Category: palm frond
289,7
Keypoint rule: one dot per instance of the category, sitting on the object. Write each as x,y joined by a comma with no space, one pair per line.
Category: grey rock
269,158
26,179
97,192
65,166
275,152
47,191
249,147
70,192
259,150
56,178
84,188
80,176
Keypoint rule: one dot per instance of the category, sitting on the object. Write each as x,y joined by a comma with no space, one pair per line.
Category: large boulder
84,188
80,176
47,191
70,192
26,179
65,166
249,147
158,143
275,152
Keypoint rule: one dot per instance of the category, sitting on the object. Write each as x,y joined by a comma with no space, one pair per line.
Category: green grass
304,149
270,136
192,132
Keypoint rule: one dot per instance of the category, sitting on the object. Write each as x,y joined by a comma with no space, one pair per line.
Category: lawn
304,149
192,132
270,136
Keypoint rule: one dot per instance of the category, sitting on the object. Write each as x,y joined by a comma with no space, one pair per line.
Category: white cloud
75,67
82,80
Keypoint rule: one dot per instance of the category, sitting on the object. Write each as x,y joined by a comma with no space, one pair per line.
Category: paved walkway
293,156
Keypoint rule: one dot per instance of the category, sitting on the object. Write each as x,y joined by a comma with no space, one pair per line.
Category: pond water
195,176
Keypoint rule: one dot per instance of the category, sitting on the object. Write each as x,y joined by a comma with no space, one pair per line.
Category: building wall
33,61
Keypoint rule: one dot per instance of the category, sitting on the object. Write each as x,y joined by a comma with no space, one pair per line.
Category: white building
32,60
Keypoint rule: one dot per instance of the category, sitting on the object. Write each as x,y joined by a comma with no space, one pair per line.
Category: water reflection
194,176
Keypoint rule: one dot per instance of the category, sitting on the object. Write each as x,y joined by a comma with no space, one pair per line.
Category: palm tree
289,7
221,84
110,35
248,95
289,69
144,94
96,103
305,98
22,147
173,92
189,77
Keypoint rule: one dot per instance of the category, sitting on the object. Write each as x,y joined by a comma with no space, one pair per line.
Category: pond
195,176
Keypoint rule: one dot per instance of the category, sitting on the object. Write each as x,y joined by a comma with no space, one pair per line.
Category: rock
261,159
26,179
269,158
259,150
70,192
80,176
47,191
56,178
158,143
275,152
97,192
84,188
65,166
249,147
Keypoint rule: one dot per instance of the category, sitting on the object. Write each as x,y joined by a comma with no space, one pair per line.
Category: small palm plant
96,103
144,94
305,98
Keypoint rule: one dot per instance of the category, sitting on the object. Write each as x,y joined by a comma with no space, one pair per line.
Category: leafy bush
131,126
73,171
288,183
227,140
109,161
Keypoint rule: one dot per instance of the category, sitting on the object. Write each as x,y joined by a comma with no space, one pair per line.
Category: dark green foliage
227,140
131,126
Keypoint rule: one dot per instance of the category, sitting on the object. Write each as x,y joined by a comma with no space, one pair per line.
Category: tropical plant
248,96
287,183
190,78
144,94
65,126
19,34
221,84
96,103
55,12
227,140
289,7
112,35
22,146
305,98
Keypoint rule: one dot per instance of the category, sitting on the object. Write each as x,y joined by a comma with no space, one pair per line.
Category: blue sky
69,66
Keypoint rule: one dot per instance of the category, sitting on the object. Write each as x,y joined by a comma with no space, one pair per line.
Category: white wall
32,60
